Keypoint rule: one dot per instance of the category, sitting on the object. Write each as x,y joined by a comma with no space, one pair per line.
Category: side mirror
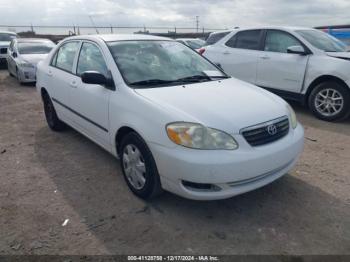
14,54
96,78
296,49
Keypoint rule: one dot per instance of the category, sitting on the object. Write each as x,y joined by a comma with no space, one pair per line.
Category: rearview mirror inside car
96,78
297,49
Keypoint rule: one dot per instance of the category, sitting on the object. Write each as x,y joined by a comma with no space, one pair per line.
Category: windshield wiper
150,82
200,78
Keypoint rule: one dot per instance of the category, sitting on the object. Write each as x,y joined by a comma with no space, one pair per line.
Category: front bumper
230,172
28,75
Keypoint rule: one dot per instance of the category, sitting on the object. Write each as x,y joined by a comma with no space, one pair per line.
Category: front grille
3,50
267,132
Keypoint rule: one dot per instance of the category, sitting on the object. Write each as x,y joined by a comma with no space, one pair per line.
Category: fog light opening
200,186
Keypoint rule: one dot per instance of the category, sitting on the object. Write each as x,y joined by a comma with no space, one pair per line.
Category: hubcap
329,102
134,166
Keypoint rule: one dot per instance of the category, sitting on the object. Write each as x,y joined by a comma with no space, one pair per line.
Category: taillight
201,51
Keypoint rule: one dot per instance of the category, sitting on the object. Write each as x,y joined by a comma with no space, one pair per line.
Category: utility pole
197,23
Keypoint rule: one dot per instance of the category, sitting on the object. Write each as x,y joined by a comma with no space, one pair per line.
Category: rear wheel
330,101
139,168
51,117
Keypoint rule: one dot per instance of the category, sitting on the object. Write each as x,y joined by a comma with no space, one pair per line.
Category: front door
90,101
277,68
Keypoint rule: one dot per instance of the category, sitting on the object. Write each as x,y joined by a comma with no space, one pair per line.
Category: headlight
196,136
293,117
26,65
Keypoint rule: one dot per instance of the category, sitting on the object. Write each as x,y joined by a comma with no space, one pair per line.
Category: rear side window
91,59
64,57
249,39
279,41
215,37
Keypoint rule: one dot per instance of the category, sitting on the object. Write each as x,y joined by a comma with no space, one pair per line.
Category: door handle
265,57
226,53
73,84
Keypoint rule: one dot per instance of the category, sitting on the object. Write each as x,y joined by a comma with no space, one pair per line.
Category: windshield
6,37
35,47
161,63
195,43
323,41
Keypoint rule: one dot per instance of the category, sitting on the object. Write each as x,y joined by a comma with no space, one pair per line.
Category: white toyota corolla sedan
175,120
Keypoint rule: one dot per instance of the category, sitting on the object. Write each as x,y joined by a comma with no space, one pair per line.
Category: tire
134,152
18,76
51,117
330,101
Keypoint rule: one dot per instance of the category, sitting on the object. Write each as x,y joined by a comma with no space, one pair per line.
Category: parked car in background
302,64
5,40
216,36
23,56
176,121
194,43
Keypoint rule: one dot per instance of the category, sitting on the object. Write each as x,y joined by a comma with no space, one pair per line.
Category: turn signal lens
293,117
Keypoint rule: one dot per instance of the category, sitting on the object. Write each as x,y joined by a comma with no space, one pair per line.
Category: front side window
249,39
161,62
322,41
279,41
91,59
64,57
25,48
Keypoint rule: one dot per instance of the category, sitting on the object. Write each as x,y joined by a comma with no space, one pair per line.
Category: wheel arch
120,134
43,92
322,79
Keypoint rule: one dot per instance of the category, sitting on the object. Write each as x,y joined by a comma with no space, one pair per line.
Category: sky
181,13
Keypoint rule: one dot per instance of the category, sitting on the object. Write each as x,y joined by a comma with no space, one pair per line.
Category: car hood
229,104
34,58
4,44
342,55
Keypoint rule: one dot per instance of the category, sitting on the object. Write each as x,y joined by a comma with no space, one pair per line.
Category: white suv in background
5,40
301,64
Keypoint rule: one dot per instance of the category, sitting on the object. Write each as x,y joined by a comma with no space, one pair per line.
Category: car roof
289,28
120,37
8,32
24,40
185,39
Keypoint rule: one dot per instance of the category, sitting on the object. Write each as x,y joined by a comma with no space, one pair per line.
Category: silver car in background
5,40
24,54
194,43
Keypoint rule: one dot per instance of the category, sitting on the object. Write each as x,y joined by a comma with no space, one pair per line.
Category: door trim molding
80,115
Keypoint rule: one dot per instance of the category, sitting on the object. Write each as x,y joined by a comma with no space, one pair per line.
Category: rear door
277,68
90,101
60,77
239,55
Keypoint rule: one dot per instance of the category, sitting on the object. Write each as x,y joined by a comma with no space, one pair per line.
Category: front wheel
330,101
139,168
19,78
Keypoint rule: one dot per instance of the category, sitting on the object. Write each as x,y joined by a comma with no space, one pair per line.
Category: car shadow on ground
287,216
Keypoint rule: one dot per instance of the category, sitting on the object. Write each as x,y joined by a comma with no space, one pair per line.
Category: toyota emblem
272,130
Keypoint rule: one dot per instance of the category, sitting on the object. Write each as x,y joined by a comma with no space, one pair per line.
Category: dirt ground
47,177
